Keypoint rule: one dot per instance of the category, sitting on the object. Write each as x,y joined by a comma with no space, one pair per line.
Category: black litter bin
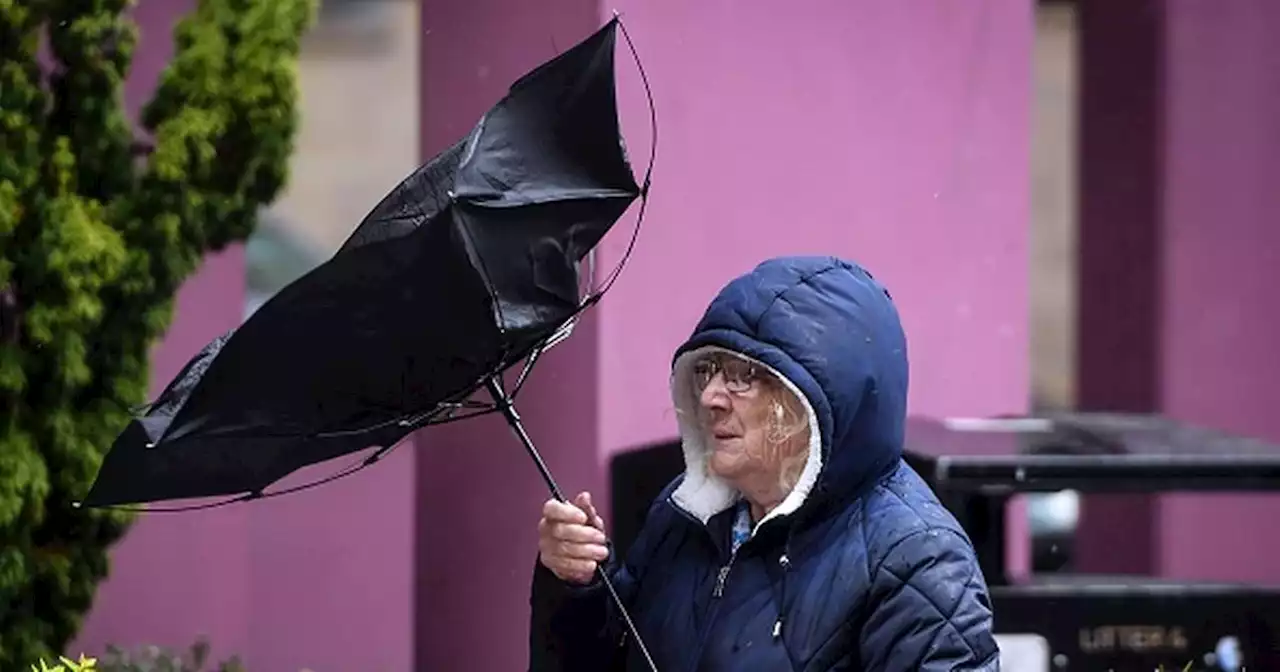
636,477
1094,622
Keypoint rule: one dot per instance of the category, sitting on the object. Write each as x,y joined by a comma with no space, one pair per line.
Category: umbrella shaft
508,410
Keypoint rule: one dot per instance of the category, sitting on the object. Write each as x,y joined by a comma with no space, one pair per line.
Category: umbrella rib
528,366
648,173
455,418
171,509
359,466
560,334
259,494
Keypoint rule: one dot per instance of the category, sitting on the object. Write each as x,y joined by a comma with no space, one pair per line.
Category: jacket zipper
723,577
717,591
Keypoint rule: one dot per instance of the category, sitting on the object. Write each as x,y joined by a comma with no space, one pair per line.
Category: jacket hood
828,330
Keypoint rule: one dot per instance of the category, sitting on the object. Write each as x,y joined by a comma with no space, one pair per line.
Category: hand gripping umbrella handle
505,406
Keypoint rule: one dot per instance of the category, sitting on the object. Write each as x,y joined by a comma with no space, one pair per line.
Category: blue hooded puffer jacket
859,568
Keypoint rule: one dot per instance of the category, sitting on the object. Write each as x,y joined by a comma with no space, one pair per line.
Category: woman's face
737,410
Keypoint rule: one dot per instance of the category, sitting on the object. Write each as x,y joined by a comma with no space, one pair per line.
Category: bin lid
1088,451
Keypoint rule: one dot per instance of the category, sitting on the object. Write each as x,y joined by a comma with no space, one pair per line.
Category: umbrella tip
616,15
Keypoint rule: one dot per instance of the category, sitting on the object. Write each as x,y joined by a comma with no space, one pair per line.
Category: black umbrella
466,269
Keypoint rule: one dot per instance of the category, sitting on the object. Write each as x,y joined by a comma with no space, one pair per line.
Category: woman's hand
571,540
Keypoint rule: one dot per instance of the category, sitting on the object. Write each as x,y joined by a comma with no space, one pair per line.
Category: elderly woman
797,538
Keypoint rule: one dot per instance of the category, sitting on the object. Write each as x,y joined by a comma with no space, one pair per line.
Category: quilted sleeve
573,627
577,628
929,608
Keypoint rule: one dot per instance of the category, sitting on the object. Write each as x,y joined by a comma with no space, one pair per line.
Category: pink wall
322,578
1179,247
893,133
1221,323
842,128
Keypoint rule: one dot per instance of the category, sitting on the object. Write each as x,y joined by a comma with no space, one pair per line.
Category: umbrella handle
503,402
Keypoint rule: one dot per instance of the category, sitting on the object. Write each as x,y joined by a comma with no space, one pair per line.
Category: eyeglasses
739,374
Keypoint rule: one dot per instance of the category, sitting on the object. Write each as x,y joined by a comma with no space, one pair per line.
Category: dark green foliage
96,234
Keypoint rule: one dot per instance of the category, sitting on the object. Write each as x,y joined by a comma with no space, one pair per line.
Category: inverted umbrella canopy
468,267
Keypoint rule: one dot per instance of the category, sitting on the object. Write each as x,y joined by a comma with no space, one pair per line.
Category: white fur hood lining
703,494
